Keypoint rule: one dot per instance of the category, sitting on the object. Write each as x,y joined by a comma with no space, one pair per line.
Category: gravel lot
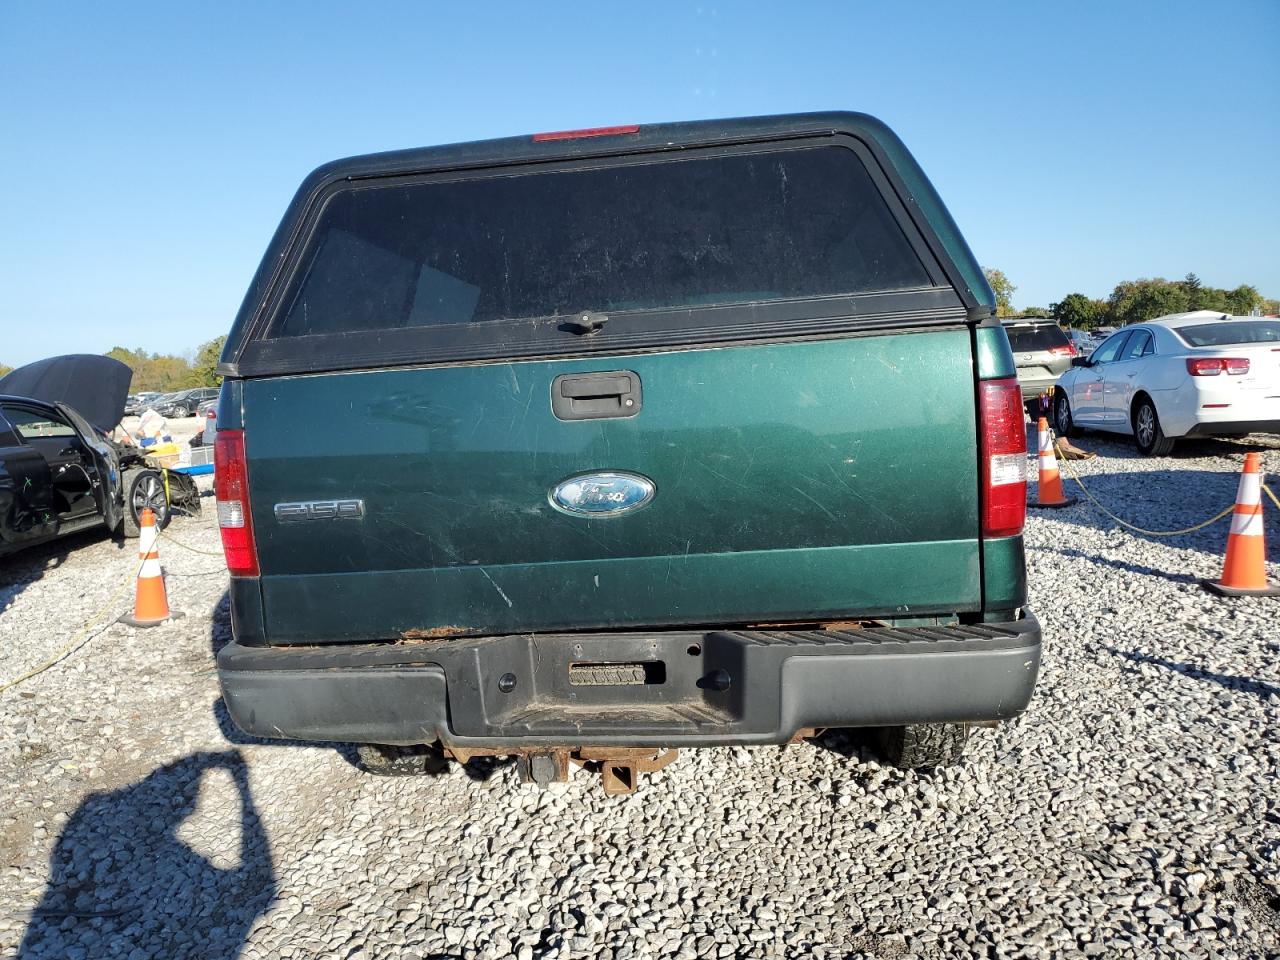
1133,811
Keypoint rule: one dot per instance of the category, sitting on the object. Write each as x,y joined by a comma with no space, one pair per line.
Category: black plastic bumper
1221,428
687,688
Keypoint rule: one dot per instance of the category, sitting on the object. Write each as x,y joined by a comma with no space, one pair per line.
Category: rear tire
386,760
1147,434
1063,423
923,746
143,488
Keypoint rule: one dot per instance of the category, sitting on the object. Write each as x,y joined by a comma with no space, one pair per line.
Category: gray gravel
1132,812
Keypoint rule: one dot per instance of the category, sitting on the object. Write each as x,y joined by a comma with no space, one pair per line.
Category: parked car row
136,403
183,403
1194,374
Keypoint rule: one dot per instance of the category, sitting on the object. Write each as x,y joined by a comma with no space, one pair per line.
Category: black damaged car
60,472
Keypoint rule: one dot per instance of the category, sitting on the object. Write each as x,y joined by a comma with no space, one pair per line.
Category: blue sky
148,152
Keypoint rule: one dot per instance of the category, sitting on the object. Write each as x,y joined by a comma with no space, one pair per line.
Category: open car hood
94,386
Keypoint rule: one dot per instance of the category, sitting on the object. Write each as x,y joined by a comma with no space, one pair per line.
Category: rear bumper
1216,408
1217,428
1034,385
700,688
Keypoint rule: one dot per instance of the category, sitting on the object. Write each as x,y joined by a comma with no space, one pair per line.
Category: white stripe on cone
1249,494
1047,459
146,539
1246,524
150,567
1250,491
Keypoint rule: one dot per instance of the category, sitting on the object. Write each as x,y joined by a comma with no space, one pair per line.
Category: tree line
167,372
1133,301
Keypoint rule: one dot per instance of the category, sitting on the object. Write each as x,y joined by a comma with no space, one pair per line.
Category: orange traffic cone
1244,571
1049,491
150,604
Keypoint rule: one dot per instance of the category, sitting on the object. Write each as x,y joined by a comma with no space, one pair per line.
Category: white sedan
1199,374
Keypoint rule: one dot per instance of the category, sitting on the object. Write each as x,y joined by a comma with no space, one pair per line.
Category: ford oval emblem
602,495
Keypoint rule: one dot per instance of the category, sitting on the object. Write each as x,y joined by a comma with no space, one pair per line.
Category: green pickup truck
584,446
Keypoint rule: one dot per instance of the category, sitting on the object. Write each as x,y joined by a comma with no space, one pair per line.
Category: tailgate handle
595,396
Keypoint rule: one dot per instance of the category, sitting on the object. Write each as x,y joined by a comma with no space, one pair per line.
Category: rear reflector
1066,350
1004,457
589,132
1212,366
231,487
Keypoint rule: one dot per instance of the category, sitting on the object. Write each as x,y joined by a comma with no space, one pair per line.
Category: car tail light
1066,350
1004,457
583,134
1212,366
231,487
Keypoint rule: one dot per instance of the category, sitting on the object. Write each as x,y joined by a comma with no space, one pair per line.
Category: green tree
1003,288
1133,301
1038,312
1243,300
1210,298
153,371
205,367
1192,285
4,368
1078,311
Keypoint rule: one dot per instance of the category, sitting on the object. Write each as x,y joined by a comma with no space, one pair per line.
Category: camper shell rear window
780,225
664,246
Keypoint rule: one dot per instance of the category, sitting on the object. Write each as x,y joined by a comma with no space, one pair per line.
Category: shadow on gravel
1117,445
1258,688
1118,564
848,742
177,865
1157,500
26,567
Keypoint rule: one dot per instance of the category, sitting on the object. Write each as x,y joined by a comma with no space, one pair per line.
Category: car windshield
1231,332
1031,337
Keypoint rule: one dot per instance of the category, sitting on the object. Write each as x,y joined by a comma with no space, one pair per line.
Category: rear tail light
231,486
583,134
1066,350
1212,366
1004,457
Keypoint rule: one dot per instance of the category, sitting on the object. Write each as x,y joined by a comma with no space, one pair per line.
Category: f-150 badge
320,510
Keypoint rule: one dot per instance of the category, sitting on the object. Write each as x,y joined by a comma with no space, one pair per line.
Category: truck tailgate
809,480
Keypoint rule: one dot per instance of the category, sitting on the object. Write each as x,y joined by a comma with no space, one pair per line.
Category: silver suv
1041,353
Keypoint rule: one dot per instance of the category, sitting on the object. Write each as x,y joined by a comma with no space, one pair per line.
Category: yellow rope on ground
1271,494
165,535
1133,526
80,635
